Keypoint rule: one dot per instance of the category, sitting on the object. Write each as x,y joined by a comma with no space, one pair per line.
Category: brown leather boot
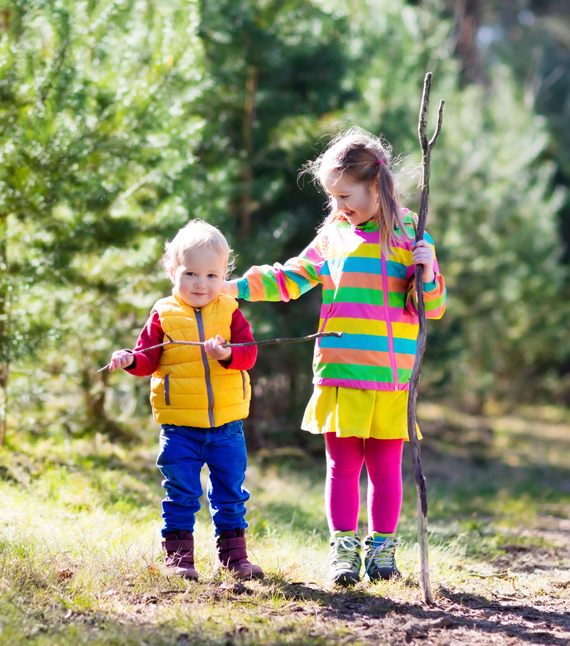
232,555
179,548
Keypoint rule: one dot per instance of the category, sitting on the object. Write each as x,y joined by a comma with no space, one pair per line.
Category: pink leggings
345,457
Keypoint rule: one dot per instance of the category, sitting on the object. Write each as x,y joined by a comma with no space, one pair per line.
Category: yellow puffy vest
189,388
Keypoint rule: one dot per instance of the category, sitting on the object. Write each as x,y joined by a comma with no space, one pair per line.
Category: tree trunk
94,392
4,326
254,436
467,19
247,170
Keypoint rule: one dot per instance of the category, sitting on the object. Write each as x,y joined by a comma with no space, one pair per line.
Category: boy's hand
214,349
423,255
230,287
120,360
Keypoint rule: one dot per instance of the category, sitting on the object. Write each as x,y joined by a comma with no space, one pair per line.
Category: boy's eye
190,273
212,275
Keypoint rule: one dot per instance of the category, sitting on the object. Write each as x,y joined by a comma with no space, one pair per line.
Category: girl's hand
423,254
230,287
215,350
120,360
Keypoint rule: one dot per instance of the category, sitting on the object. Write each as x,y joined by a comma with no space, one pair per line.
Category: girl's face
199,280
358,202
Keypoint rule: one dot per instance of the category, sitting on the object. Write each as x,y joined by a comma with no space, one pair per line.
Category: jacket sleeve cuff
133,365
226,364
429,287
243,289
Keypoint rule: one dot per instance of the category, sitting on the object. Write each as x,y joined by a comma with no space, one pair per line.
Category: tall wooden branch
299,339
419,477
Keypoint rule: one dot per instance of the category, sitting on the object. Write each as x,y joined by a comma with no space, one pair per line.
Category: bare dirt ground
310,614
523,598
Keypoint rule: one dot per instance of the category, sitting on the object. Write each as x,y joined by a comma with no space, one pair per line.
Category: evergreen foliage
96,126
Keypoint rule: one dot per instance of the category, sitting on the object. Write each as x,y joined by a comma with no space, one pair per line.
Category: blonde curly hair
194,236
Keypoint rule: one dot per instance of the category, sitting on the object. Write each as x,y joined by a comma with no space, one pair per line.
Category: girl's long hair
362,157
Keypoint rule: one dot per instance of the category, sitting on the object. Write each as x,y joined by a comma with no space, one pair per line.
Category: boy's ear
171,271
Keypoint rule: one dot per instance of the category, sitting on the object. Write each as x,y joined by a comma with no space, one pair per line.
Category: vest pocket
167,389
244,384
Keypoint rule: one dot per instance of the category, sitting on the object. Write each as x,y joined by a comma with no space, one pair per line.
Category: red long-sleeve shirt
146,363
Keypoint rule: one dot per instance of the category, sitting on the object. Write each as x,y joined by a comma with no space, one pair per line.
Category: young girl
364,256
199,395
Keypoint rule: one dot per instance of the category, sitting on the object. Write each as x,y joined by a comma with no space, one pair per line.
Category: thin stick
419,477
491,576
171,341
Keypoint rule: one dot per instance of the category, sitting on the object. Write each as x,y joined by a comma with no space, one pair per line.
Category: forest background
120,120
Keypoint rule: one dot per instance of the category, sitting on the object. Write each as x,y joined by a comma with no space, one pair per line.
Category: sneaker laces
344,549
383,555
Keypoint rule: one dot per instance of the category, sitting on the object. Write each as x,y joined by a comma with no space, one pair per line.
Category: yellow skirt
354,412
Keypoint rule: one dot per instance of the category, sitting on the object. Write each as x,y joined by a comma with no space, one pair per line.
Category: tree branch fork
422,507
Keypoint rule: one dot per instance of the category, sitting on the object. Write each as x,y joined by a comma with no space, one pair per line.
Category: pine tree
96,124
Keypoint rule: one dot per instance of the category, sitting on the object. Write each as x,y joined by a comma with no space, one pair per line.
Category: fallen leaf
65,574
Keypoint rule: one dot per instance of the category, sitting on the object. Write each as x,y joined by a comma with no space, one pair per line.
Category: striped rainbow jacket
368,297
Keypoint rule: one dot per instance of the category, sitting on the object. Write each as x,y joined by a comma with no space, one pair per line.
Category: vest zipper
385,296
206,367
243,383
167,389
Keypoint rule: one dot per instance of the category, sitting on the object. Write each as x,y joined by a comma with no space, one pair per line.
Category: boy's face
199,280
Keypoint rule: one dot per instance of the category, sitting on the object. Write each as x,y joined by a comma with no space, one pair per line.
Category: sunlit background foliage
122,119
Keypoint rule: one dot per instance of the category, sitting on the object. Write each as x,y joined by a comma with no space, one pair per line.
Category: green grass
80,559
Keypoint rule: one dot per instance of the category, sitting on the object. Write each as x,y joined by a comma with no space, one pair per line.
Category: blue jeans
183,452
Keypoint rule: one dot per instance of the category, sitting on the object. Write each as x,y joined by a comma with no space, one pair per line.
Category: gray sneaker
380,558
343,563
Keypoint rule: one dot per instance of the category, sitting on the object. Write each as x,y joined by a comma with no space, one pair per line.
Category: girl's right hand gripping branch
120,360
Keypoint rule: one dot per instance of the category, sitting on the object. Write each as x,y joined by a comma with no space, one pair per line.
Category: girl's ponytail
390,212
